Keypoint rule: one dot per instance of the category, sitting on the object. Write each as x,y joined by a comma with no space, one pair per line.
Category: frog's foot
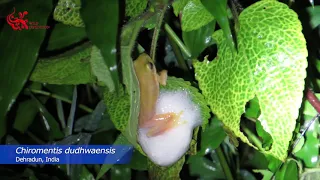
163,122
162,77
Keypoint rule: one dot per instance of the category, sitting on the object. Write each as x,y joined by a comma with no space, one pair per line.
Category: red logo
20,23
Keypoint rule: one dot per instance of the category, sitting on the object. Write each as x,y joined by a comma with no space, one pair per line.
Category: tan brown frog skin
149,82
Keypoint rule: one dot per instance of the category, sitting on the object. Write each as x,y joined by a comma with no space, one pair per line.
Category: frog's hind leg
163,123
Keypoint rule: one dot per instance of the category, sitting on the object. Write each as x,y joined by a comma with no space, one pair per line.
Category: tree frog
149,81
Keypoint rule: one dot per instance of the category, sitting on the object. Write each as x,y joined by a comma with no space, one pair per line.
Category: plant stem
156,33
224,163
177,52
253,137
314,101
86,108
69,127
177,40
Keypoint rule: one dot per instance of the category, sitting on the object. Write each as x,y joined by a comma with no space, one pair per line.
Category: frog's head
144,66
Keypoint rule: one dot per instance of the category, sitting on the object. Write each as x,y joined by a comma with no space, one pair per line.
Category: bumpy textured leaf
194,16
130,80
68,12
270,64
135,7
72,69
164,173
100,69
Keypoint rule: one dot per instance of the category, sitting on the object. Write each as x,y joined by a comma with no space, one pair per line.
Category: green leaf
265,173
26,113
212,136
50,123
19,52
100,69
63,36
178,6
163,173
138,161
273,163
288,171
104,38
119,172
263,67
85,174
67,69
92,121
128,39
194,16
309,153
253,111
314,13
201,166
197,40
68,12
65,91
266,138
121,140
135,7
218,8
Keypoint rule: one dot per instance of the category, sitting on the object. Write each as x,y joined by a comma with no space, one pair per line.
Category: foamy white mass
169,147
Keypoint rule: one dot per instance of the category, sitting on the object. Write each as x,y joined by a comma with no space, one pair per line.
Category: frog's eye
150,65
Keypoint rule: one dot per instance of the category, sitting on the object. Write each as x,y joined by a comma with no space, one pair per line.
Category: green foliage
135,7
68,12
249,73
72,68
197,40
314,13
309,153
194,14
100,69
212,136
92,44
63,36
163,173
104,38
200,165
288,171
218,8
19,55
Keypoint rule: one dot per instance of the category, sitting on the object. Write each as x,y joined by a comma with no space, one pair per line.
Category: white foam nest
169,147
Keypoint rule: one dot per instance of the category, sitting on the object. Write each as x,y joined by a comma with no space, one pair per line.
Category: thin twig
177,40
156,33
86,108
224,163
